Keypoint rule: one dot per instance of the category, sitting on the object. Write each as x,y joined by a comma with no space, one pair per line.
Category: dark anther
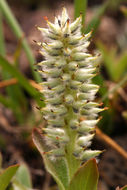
75,110
66,35
35,41
49,87
38,108
59,23
68,20
65,122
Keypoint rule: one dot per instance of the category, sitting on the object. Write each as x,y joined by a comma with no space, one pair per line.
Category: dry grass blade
8,82
13,81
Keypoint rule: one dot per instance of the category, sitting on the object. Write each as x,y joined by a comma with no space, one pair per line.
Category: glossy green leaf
86,178
23,176
7,175
57,168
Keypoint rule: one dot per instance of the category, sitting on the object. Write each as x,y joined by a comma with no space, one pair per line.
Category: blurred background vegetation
20,98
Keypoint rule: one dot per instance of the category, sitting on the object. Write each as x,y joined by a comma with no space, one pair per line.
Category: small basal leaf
23,176
7,175
86,178
124,188
18,186
57,168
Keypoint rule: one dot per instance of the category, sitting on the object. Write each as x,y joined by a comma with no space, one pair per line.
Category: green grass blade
6,102
21,79
18,33
80,7
95,22
121,66
108,58
2,45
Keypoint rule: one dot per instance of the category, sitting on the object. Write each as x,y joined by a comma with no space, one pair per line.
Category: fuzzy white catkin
67,73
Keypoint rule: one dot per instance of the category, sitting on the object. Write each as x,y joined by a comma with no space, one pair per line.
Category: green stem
19,34
73,163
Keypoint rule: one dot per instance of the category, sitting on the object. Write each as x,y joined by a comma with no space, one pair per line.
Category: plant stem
19,34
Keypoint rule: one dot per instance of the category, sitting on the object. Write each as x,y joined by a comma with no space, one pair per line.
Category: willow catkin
67,73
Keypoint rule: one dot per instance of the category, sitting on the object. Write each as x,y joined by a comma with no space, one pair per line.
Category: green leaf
57,168
7,175
124,188
80,8
86,178
23,176
95,22
18,186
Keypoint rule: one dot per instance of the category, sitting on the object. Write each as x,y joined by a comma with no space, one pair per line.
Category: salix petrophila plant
70,111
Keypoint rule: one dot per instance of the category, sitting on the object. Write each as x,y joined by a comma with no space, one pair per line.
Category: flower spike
69,93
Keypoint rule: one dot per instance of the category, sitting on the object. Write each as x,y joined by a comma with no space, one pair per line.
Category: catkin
67,73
